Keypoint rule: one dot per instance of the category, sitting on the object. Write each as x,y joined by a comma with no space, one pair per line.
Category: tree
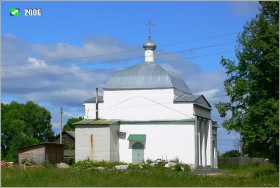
253,85
23,125
69,126
231,153
237,145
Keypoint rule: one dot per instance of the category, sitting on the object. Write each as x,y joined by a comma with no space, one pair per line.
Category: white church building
147,112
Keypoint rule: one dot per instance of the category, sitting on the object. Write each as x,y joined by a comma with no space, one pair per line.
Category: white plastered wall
165,141
140,105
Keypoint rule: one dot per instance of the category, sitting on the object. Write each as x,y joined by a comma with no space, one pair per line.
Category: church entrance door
137,152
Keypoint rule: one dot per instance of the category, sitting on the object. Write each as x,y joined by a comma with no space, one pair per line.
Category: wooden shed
49,152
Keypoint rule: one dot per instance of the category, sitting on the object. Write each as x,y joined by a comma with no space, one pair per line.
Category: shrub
89,164
159,166
264,169
149,161
186,167
46,164
134,167
228,166
70,160
31,161
231,153
177,167
84,164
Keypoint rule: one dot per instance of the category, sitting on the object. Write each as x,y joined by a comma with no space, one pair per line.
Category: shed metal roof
146,76
137,137
95,122
92,100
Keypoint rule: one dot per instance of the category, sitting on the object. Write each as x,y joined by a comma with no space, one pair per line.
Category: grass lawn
264,175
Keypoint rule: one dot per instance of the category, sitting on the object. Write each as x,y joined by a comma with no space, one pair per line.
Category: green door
137,152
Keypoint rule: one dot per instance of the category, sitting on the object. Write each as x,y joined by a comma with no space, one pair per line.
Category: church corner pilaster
196,141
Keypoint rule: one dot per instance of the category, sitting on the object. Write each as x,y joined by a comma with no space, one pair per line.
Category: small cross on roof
149,24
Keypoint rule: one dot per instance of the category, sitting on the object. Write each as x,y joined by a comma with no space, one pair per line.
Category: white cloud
208,93
56,125
37,80
244,8
68,114
98,48
36,63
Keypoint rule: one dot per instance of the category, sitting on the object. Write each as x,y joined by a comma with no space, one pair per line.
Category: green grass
249,176
228,166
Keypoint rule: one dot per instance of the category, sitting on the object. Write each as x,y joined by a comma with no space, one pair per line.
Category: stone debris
100,168
7,164
27,164
157,161
182,168
192,167
170,164
153,164
3,163
62,165
121,167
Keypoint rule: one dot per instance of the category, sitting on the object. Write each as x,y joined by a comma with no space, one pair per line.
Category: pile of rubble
7,164
121,167
62,165
27,165
171,164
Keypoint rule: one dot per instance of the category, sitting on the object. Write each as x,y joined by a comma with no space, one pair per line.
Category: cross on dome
149,46
149,24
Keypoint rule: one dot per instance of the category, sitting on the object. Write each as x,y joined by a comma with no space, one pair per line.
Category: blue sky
57,59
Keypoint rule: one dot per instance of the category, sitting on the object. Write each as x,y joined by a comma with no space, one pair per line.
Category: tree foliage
253,85
69,126
23,125
231,153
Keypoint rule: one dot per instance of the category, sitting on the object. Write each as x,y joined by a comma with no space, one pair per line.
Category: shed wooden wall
36,153
54,153
41,153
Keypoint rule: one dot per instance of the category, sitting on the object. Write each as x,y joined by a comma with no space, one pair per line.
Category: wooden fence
241,160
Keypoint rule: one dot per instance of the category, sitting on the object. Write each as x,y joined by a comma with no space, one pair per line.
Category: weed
89,164
265,169
149,161
134,167
70,160
31,161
